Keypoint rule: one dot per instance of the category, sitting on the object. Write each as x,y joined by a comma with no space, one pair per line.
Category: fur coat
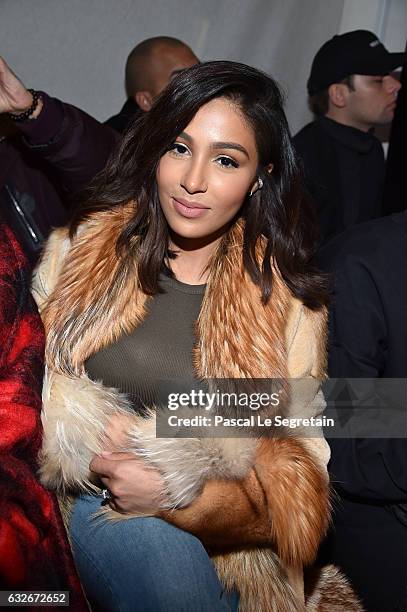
265,502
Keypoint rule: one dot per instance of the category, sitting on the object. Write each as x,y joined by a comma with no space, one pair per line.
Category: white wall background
76,49
388,18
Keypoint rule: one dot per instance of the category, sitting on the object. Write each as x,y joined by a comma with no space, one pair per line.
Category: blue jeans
143,565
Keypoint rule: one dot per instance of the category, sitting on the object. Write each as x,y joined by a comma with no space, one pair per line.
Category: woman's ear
258,184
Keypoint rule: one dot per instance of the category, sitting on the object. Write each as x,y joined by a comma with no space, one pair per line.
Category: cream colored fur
75,415
262,581
186,463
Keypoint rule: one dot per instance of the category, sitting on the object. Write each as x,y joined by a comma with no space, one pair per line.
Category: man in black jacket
368,339
351,91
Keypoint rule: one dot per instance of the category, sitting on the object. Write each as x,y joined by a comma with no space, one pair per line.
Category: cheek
168,175
231,191
373,100
163,175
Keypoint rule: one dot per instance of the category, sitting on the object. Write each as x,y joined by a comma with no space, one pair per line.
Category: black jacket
344,172
369,314
368,339
62,151
122,120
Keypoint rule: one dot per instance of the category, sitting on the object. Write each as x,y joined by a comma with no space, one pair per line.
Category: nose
392,85
194,179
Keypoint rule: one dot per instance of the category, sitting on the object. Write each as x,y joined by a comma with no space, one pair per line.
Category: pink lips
191,210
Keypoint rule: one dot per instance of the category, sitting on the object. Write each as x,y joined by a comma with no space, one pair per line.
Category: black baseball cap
357,52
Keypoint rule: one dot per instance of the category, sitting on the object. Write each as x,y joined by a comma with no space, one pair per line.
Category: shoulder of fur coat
46,273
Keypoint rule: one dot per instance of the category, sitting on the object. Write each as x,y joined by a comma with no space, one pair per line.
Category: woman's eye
178,148
227,162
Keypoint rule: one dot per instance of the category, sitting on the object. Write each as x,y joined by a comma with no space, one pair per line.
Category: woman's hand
135,487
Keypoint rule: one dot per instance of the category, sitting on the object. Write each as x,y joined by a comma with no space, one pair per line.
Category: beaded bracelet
26,114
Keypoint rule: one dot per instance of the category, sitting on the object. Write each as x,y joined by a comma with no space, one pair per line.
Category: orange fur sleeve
283,502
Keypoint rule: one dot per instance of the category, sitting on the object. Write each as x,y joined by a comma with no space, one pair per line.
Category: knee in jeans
162,535
179,596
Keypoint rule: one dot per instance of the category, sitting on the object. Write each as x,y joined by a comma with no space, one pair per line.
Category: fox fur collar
97,298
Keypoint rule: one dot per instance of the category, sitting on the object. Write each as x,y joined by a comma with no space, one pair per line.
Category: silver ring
106,494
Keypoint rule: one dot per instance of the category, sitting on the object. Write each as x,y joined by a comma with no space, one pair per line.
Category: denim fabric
143,565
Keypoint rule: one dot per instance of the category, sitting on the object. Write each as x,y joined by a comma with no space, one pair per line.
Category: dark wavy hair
279,212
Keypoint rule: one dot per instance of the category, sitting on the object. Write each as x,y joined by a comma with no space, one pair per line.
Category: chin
190,234
386,118
197,233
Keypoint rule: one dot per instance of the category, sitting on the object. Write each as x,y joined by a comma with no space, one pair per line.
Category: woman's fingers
135,486
106,463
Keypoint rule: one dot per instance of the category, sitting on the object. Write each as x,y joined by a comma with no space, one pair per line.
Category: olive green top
159,349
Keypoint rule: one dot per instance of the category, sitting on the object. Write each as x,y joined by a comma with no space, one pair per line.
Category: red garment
34,551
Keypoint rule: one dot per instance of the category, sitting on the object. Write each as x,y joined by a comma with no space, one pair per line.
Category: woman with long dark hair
190,259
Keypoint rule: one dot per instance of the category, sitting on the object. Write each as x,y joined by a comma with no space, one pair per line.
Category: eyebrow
219,145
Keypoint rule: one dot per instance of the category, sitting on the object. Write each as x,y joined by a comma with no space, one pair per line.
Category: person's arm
34,551
357,325
21,342
75,145
366,468
284,499
283,502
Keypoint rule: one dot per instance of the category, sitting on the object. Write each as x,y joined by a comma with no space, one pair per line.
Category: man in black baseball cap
351,90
